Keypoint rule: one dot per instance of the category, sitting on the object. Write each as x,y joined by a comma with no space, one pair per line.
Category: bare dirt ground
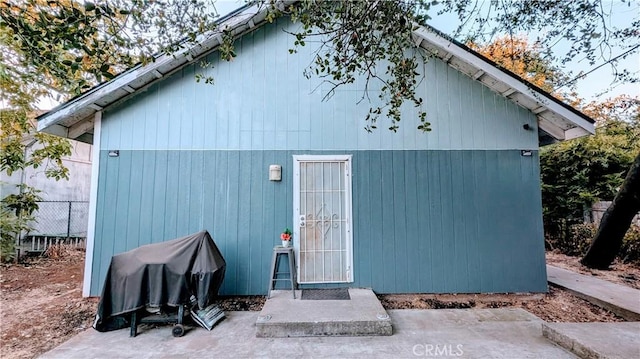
41,302
556,306
620,273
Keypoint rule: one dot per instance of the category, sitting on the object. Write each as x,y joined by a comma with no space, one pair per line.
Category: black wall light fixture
114,153
526,153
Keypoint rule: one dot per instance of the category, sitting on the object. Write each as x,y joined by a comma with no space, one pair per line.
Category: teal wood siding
424,221
262,101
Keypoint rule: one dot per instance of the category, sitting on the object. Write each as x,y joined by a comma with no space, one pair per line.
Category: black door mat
326,294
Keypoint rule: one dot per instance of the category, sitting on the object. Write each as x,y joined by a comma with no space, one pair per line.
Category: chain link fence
57,222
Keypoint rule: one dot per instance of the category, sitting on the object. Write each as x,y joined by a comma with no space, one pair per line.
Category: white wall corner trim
93,197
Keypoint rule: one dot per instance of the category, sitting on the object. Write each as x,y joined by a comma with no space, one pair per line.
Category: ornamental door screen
322,219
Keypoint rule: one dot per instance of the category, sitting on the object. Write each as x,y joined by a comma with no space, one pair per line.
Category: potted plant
286,237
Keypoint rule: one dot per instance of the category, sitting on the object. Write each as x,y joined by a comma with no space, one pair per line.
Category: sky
589,88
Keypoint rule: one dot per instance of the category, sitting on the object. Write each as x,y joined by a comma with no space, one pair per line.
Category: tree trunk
615,221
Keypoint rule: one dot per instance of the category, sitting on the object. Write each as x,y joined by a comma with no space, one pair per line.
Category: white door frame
348,209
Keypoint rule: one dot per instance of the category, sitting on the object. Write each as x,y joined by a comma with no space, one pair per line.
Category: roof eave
559,120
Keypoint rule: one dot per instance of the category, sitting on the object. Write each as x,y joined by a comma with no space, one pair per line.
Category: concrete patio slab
473,333
596,340
619,299
362,315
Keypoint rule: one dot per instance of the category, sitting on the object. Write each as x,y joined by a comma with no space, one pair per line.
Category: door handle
302,221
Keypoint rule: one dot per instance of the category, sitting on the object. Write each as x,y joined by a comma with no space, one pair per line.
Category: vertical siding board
277,87
172,92
389,247
377,239
185,117
234,206
136,130
160,189
448,219
244,220
399,221
151,116
224,206
209,198
486,220
122,194
195,221
244,65
172,198
196,111
107,130
472,190
423,210
436,230
161,119
269,228
456,99
291,124
185,180
133,211
412,234
461,215
495,251
441,106
475,128
362,220
254,258
218,124
510,164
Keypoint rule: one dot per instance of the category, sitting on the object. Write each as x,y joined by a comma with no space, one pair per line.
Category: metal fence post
69,222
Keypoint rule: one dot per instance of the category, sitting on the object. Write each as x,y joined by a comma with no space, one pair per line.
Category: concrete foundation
362,315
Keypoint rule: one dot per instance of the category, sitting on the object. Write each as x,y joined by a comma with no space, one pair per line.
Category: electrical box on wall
275,173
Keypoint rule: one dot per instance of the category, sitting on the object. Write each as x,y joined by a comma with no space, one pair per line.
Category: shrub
577,241
630,251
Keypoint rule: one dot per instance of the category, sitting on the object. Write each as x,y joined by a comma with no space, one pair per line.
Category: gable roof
557,120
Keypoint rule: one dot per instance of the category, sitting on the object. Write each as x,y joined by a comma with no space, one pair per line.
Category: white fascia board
575,133
204,44
489,69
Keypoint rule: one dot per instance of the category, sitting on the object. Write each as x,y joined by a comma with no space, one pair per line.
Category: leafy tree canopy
577,173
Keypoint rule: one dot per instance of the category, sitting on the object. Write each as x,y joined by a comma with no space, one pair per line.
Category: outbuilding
455,210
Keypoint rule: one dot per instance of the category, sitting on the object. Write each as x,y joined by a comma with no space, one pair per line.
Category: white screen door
322,218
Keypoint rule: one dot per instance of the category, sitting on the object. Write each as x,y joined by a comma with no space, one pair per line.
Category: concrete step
362,315
596,340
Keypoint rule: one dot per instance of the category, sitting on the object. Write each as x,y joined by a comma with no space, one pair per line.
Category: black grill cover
160,274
